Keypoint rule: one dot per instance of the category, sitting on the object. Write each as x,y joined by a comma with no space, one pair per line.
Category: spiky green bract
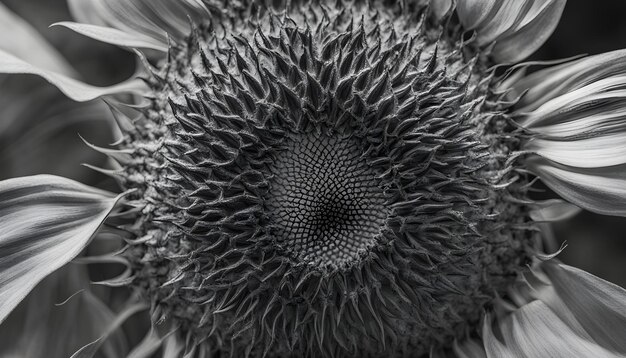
330,181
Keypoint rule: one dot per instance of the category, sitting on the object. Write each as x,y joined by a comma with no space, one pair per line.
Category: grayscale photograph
312,179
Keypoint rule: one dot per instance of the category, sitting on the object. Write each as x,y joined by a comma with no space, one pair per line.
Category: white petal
535,30
493,346
172,347
22,40
506,18
600,151
552,82
536,331
553,210
115,37
45,221
74,89
473,12
146,348
599,306
601,190
574,101
152,18
518,27
596,118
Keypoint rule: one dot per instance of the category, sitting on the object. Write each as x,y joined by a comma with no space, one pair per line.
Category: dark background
595,243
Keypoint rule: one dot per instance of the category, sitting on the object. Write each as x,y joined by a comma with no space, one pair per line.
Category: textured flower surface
314,178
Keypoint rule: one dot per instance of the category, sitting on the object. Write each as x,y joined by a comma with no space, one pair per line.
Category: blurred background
595,243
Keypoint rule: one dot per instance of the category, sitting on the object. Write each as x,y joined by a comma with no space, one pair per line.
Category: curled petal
74,89
151,18
474,12
576,104
601,190
114,36
544,85
597,305
172,347
532,32
150,344
45,221
493,346
536,331
576,114
518,27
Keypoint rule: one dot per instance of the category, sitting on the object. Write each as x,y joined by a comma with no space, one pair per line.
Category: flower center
325,200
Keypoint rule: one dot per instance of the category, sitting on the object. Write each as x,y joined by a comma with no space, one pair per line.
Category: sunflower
311,178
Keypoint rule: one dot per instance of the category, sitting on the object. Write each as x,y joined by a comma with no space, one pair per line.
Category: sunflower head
338,187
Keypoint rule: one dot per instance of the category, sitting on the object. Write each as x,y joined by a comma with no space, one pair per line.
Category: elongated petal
576,113
518,27
493,346
172,347
22,40
552,82
599,306
45,221
576,103
473,12
600,151
152,18
601,190
150,344
74,89
115,37
532,33
535,331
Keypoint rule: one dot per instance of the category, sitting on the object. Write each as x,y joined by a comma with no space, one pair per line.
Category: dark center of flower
325,200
